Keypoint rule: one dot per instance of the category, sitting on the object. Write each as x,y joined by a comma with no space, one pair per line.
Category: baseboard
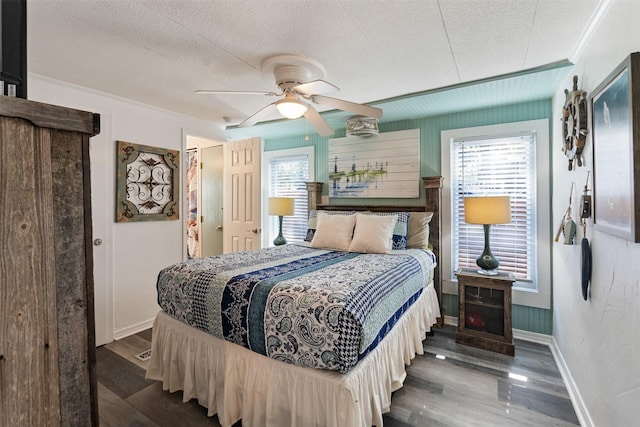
572,388
532,337
133,329
450,320
517,333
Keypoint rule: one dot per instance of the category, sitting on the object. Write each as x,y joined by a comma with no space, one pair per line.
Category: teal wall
524,318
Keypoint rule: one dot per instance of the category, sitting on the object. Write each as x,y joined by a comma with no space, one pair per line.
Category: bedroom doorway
204,195
212,197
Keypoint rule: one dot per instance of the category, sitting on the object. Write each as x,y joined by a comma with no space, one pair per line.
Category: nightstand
484,310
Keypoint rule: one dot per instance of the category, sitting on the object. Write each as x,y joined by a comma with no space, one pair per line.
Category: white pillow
333,231
418,234
373,234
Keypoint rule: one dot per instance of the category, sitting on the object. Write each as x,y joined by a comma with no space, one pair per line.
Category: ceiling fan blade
351,107
318,123
315,86
234,92
258,116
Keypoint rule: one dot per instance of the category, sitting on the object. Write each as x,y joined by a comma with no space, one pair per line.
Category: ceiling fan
300,82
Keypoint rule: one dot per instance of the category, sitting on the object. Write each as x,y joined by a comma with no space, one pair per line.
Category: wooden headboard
433,189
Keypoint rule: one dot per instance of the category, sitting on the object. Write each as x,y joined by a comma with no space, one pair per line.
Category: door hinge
201,165
201,218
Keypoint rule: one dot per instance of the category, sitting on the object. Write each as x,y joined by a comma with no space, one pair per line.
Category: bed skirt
236,383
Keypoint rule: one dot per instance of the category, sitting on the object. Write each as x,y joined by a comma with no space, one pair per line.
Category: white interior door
102,175
211,215
242,226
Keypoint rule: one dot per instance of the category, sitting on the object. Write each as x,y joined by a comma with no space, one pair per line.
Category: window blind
503,165
288,176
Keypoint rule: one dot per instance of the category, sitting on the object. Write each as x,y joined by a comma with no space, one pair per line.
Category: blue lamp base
280,240
486,261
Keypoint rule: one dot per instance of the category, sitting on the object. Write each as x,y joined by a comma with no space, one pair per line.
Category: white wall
132,254
599,339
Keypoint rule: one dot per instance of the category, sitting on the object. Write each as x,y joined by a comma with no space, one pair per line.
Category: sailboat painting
383,166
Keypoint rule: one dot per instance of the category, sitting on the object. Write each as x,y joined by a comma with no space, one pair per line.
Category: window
509,159
501,165
287,173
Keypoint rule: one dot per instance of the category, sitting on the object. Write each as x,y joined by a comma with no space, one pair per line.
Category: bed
336,361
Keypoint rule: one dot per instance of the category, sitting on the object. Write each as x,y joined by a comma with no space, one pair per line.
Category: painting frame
615,129
149,171
385,166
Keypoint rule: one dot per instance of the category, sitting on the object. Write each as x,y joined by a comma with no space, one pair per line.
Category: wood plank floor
469,387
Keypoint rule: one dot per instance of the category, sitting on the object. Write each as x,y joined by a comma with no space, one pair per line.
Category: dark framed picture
148,180
615,107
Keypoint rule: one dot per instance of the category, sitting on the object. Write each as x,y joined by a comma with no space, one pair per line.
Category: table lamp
281,206
486,211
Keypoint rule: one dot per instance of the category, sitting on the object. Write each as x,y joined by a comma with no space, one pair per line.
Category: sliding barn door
242,225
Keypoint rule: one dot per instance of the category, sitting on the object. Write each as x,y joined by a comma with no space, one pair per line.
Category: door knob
254,231
219,228
97,242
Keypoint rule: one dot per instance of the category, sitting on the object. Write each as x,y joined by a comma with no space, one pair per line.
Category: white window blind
491,166
288,176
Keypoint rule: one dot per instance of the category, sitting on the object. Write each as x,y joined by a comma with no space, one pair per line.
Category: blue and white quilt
310,307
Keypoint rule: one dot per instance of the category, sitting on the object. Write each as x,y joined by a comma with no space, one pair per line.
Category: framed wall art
148,180
383,166
615,106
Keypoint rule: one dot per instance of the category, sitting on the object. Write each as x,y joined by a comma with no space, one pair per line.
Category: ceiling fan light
291,108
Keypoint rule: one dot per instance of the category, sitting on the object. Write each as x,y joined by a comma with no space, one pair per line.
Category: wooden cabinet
47,333
484,311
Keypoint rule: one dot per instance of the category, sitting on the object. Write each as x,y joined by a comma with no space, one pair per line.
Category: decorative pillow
313,221
333,231
373,234
400,229
418,234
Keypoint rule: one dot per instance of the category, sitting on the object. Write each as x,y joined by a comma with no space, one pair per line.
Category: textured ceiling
159,52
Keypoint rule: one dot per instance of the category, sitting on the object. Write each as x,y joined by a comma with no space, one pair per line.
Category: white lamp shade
487,210
290,107
281,206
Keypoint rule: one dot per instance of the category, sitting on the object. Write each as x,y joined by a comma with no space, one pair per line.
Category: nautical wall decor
574,124
567,224
383,166
615,106
148,180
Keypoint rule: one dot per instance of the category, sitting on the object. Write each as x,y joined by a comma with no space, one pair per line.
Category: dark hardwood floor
450,385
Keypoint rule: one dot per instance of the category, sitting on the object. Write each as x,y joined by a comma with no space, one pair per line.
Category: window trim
542,297
267,157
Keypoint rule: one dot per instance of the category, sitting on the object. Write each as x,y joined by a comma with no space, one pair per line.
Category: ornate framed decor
616,151
148,181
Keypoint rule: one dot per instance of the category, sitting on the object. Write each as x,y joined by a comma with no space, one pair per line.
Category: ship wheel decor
574,124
